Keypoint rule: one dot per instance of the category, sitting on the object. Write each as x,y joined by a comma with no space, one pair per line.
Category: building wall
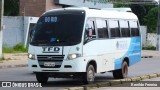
13,31
148,39
17,32
50,5
36,8
32,7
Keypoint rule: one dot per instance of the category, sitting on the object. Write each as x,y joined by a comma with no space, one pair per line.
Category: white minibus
80,42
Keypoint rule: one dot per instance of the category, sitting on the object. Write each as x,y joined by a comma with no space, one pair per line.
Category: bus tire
42,77
121,73
89,75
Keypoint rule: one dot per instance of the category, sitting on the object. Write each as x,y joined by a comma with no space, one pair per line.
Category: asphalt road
146,66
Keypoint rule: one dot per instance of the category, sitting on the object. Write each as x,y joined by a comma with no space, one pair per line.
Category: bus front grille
56,59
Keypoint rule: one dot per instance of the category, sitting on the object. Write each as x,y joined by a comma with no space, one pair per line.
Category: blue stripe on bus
133,53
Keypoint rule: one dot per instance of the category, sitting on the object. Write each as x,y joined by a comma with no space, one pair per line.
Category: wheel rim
91,75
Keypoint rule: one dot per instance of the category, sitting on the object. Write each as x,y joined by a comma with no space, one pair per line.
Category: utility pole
1,24
158,31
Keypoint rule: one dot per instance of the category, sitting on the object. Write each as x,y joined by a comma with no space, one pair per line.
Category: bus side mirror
86,39
30,33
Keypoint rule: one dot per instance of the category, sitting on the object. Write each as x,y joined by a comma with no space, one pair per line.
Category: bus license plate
49,64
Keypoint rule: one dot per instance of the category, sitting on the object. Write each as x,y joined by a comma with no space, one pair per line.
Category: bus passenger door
90,49
103,44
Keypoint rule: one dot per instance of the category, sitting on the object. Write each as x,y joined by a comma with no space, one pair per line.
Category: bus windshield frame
63,28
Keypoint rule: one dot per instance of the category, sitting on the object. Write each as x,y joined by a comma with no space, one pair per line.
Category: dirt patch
17,56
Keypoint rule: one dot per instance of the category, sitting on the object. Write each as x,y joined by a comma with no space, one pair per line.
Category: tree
11,7
121,5
151,20
137,9
140,11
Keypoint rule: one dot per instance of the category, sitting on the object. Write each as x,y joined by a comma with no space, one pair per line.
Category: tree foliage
140,11
151,20
11,7
147,15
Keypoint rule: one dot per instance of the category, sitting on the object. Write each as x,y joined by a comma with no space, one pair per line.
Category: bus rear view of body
80,42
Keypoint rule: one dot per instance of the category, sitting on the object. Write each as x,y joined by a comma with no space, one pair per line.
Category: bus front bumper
76,65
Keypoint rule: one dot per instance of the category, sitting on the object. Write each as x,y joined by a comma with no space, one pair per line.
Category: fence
152,39
16,29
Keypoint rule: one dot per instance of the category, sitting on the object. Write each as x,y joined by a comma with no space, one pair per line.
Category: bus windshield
58,30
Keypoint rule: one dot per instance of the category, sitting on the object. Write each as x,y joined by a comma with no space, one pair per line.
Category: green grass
149,47
19,48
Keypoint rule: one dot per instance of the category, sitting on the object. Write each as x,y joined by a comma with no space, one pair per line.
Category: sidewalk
14,60
148,53
20,60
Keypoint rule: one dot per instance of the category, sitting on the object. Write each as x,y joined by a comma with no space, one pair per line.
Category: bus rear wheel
121,73
42,77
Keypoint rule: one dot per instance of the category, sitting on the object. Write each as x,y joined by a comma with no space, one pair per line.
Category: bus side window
90,30
124,28
102,28
134,28
114,28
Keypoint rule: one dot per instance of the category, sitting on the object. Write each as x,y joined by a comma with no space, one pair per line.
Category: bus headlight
73,56
31,56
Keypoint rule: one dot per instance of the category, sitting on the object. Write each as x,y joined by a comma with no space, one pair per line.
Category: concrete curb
115,82
144,77
13,66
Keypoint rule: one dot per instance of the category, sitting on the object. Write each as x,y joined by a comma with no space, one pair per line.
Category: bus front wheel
42,77
89,76
121,73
